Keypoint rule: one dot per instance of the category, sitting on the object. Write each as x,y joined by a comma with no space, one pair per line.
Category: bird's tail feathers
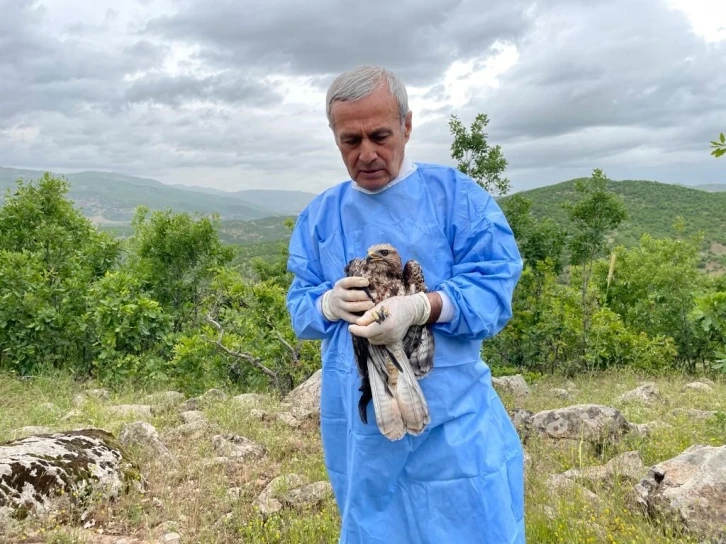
411,400
385,406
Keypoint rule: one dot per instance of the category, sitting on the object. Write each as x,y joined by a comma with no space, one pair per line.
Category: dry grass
191,497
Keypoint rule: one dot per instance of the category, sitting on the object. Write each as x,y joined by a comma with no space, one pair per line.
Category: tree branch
241,355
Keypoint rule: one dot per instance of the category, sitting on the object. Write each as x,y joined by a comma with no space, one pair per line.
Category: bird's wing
418,343
413,278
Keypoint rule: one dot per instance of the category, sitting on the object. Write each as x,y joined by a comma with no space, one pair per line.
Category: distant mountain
108,198
712,187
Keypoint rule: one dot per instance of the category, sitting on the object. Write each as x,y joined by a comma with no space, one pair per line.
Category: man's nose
368,151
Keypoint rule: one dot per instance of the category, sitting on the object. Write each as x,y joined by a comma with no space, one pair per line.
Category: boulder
647,393
307,395
268,501
693,413
41,474
522,420
143,435
628,465
699,387
591,422
232,445
563,394
513,385
249,400
192,416
691,487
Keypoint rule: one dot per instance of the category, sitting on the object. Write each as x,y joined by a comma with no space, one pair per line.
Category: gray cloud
418,40
190,91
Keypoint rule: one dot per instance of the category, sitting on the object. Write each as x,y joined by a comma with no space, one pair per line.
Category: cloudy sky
230,93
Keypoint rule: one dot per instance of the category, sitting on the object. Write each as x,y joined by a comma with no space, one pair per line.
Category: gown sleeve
487,265
308,284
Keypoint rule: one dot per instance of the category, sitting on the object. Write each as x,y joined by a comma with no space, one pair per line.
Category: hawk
390,373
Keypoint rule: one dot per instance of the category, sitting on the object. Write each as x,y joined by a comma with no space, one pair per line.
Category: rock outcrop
692,488
590,422
307,395
646,393
513,385
40,474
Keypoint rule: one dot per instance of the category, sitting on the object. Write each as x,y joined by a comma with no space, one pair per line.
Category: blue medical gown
461,481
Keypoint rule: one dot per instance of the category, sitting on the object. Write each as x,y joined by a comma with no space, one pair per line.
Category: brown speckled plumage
389,373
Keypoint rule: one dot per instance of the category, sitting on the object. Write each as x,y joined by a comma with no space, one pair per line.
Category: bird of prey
390,373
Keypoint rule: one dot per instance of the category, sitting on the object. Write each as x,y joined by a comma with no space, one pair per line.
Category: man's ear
407,127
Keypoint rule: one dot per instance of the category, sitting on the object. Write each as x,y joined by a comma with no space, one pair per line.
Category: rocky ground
610,458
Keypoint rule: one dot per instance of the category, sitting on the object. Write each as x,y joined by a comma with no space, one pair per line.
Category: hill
652,208
110,199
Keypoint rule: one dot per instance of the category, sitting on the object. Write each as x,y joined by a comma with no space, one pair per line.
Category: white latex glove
342,300
399,313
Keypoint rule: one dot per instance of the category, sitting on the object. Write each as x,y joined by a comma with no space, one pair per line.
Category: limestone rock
561,393
564,486
690,487
143,435
307,394
192,430
628,465
288,419
698,386
514,385
647,393
192,416
41,474
267,502
591,422
189,405
212,396
522,420
170,538
308,495
131,410
232,445
260,414
647,429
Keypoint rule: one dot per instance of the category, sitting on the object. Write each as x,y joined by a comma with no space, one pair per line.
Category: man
461,481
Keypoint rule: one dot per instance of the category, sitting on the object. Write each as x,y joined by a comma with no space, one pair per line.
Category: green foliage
538,240
719,147
476,158
176,256
49,254
710,315
651,287
129,328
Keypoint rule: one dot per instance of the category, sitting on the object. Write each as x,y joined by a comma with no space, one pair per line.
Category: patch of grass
191,494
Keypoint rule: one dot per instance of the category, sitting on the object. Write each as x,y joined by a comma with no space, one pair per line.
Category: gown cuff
447,308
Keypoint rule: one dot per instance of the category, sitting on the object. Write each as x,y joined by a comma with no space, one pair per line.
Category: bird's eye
384,253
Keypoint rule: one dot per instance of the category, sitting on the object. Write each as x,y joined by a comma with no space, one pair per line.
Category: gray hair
362,81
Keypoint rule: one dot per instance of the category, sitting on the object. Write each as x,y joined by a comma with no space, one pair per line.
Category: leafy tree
594,216
476,158
538,240
652,285
719,147
49,255
176,255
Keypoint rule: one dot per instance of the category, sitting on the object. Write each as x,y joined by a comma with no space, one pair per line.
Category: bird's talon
380,315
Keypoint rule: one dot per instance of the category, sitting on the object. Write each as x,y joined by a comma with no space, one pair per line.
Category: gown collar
407,168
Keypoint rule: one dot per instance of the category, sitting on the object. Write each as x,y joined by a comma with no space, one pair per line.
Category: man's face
370,137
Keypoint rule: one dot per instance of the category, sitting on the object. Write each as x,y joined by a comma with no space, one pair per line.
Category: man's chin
373,180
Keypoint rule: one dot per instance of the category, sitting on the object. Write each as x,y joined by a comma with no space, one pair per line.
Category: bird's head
385,255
